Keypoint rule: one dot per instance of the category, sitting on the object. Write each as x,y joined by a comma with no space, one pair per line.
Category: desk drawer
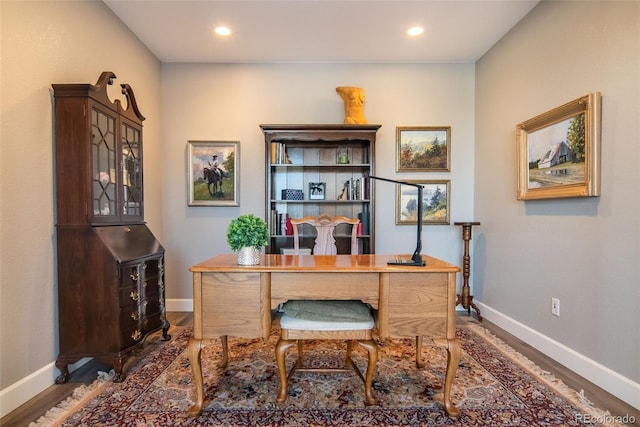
231,305
324,285
418,304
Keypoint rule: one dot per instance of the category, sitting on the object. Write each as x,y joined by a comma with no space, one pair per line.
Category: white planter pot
249,256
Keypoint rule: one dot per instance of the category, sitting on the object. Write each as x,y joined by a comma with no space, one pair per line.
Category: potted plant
247,234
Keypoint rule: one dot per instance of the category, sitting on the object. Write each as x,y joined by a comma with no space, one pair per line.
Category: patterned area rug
494,386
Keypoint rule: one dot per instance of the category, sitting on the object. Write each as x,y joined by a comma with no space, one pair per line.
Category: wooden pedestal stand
465,298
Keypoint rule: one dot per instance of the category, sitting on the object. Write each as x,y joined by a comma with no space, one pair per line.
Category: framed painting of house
213,173
423,149
559,151
435,202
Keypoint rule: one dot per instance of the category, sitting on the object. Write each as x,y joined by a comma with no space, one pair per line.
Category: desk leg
194,350
419,361
454,352
225,352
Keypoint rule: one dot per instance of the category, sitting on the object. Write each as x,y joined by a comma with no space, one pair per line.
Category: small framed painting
435,202
213,173
423,149
558,151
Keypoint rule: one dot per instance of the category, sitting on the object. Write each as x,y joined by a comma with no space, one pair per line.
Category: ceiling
364,31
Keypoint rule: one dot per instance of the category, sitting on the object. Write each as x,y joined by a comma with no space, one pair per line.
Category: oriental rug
494,386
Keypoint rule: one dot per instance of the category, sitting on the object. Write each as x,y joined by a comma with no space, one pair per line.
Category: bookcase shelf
315,170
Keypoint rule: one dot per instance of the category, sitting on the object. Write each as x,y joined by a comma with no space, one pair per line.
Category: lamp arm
417,254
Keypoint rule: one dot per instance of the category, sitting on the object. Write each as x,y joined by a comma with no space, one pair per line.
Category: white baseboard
621,387
179,304
28,387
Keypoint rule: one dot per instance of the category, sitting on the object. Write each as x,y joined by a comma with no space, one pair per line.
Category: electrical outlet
555,307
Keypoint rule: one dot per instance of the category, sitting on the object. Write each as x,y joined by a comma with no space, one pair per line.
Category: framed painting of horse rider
213,175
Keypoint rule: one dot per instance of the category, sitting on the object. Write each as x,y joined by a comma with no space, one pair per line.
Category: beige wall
585,252
228,102
44,43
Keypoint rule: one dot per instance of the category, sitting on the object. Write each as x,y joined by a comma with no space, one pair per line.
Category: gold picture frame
559,151
436,203
423,148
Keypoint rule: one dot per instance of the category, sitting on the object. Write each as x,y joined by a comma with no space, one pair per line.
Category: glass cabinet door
116,170
103,154
131,171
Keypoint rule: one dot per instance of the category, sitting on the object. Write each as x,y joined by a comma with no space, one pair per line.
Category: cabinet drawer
130,297
152,270
131,336
151,290
129,276
152,322
150,306
129,317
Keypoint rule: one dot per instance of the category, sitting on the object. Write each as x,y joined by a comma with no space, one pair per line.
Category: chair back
325,225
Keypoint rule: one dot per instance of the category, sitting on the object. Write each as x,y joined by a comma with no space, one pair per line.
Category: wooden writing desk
229,299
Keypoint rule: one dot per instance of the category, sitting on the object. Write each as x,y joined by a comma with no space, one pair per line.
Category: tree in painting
575,137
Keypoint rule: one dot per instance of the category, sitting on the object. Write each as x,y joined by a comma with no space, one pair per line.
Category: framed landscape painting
559,151
213,173
423,149
435,202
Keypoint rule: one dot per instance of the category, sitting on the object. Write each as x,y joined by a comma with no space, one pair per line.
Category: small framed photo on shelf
423,149
317,190
213,173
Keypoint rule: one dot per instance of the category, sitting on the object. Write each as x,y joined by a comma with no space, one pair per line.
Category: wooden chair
326,319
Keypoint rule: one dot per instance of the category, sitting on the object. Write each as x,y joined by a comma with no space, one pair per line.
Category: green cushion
327,310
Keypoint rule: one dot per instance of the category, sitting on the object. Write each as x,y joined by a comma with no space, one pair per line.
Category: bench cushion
328,310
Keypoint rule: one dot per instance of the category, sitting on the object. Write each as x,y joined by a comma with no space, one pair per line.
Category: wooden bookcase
315,170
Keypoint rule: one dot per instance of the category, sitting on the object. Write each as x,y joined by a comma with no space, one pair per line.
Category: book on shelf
355,189
364,219
279,154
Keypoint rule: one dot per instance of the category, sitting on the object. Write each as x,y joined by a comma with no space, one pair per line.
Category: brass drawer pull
135,295
134,276
135,315
136,335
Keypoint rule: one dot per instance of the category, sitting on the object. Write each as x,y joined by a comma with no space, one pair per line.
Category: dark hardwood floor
36,407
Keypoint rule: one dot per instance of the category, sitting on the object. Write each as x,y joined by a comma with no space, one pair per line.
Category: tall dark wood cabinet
318,169
111,289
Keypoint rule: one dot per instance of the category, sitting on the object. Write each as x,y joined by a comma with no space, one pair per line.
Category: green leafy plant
247,231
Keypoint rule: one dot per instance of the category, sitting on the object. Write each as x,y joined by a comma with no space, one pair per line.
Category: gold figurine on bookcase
353,98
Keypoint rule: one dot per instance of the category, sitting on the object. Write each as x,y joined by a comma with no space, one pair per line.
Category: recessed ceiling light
415,31
223,31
